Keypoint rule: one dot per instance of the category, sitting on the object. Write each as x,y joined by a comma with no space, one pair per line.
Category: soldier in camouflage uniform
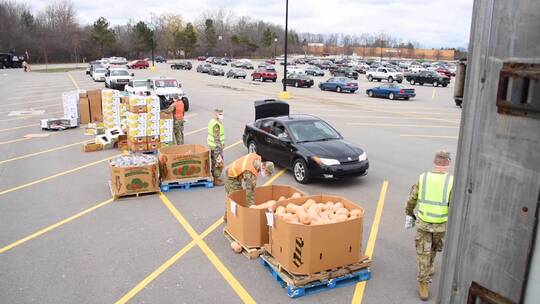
431,194
177,108
216,142
245,170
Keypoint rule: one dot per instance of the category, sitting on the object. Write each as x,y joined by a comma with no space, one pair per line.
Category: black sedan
216,71
298,80
184,65
305,144
204,68
236,73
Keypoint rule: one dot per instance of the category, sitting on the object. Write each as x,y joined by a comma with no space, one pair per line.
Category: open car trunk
270,108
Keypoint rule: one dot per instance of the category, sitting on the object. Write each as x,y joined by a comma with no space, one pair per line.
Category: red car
138,64
201,58
271,61
264,74
444,72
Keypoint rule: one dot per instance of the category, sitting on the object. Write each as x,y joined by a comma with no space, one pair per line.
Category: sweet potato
342,211
296,195
280,210
355,213
338,206
340,217
236,247
282,198
329,206
308,204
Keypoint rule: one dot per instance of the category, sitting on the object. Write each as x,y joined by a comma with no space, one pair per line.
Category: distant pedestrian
177,107
431,193
25,66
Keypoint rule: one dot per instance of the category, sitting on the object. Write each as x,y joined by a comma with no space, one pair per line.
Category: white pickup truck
137,87
117,78
166,88
388,74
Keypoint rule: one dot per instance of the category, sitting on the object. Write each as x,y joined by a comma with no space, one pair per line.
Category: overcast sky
432,23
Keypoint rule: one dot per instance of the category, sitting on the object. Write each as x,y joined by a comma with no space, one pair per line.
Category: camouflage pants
427,246
216,170
231,184
178,129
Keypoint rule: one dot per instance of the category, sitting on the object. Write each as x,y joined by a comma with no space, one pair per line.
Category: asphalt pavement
63,240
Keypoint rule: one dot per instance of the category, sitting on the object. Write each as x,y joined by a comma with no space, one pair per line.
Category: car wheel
370,78
186,104
412,82
379,80
370,93
106,85
390,79
406,98
391,96
300,171
338,89
252,146
420,83
296,84
435,83
254,78
399,81
445,85
274,80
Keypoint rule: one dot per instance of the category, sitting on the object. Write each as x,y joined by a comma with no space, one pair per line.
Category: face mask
263,172
220,116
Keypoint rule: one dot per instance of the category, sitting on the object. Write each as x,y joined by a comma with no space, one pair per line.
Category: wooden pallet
301,285
143,193
249,252
188,183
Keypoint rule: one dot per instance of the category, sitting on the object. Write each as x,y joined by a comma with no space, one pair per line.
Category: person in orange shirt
177,107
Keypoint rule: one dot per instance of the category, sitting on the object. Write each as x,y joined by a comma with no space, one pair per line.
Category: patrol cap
269,167
218,110
442,155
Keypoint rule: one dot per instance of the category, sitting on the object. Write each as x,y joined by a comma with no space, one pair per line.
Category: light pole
153,63
285,95
220,38
275,47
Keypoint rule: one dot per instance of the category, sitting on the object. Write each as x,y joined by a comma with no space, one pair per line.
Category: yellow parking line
43,152
19,127
428,136
141,285
73,80
54,226
400,125
359,290
433,95
233,282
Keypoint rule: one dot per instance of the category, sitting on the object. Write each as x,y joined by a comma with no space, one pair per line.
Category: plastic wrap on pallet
135,160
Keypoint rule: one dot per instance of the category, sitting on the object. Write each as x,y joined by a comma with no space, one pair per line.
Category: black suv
347,72
8,60
183,65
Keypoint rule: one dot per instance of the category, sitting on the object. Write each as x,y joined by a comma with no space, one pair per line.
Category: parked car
117,61
295,70
431,77
314,71
298,80
204,68
160,59
138,87
305,144
347,72
138,64
236,73
209,59
90,64
264,74
270,61
222,61
94,67
182,65
99,74
10,60
388,74
201,58
327,65
166,88
339,84
361,68
391,91
444,71
117,78
242,64
216,71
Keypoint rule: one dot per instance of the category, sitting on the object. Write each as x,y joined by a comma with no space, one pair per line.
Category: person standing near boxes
216,142
245,170
431,194
177,107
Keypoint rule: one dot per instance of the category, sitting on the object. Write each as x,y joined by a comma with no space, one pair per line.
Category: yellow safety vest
433,197
210,138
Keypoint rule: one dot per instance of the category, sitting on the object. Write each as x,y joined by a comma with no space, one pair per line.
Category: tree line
55,35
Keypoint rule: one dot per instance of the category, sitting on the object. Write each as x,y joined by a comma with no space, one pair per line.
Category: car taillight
401,91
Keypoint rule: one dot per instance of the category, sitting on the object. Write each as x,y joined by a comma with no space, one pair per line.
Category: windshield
166,83
391,70
314,130
119,73
270,70
140,83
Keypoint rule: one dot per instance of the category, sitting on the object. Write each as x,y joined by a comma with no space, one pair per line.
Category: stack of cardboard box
110,104
143,123
166,129
90,106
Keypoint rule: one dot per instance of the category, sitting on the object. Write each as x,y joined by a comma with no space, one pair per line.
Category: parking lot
64,240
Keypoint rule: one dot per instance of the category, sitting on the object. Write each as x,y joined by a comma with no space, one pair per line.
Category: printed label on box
233,207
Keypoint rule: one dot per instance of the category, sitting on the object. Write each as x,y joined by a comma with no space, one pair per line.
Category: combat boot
218,182
423,291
